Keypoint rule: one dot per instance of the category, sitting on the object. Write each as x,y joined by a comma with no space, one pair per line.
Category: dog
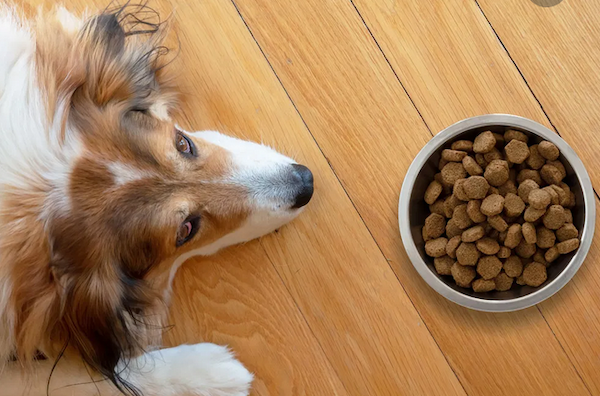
103,197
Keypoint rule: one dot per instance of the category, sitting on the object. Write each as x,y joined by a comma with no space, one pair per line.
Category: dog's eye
187,230
184,145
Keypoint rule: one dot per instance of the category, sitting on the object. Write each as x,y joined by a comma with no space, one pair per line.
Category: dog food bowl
412,211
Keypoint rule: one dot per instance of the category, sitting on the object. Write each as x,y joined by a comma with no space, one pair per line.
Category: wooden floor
331,305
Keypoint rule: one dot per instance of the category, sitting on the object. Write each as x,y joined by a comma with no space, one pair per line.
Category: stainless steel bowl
412,211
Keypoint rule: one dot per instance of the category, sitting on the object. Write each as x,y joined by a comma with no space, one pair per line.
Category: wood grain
355,108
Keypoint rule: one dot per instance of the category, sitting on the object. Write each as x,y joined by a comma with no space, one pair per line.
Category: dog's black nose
305,192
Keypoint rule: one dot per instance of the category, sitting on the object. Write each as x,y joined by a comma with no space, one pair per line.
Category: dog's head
140,191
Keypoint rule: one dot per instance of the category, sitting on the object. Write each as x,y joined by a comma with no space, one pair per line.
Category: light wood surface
331,305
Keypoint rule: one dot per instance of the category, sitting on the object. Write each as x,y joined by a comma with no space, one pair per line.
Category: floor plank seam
351,201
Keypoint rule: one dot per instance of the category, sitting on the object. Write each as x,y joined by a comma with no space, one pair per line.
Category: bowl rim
536,297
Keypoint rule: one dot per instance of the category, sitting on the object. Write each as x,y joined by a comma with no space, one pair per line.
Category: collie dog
102,197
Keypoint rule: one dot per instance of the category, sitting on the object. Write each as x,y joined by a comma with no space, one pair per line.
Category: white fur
123,173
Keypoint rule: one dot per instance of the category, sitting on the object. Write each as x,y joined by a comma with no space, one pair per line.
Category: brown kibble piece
493,191
572,200
488,246
452,229
472,167
453,155
568,216
551,174
467,254
529,174
450,204
499,140
480,159
529,232
567,231
489,267
525,250
503,282
507,188
534,274
495,154
483,285
525,188
476,187
498,223
552,254
512,134
554,217
514,235
535,160
443,265
538,257
554,197
513,266
532,215
563,196
548,150
433,192
484,142
461,218
462,145
516,151
473,234
496,173
492,205
435,226
452,245
520,281
474,211
504,252
437,207
459,190
567,246
513,205
539,199
561,168
452,172
545,238
436,247
463,276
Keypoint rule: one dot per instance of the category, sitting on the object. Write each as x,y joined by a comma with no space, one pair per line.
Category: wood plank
364,124
350,298
557,51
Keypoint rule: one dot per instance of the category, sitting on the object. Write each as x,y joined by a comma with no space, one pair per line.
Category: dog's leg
186,370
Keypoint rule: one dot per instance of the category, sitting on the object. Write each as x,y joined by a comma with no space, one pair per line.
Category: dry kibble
463,276
484,142
572,200
513,266
568,216
497,173
554,197
480,159
548,150
529,232
473,234
545,238
453,155
535,160
525,188
474,211
452,245
435,226
551,174
567,246
472,167
452,172
442,163
450,204
476,187
554,217
514,235
567,231
504,252
437,207
488,246
563,197
507,188
525,250
467,254
495,154
520,281
452,229
492,205
532,215
462,145
538,257
539,199
512,134
493,191
494,234
498,223
433,192
513,205
551,254
489,267
499,140
443,265
461,218
502,236
534,274
459,190
517,151
483,285
529,174
503,282
436,247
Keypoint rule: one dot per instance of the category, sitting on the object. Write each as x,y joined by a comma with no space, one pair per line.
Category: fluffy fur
97,187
